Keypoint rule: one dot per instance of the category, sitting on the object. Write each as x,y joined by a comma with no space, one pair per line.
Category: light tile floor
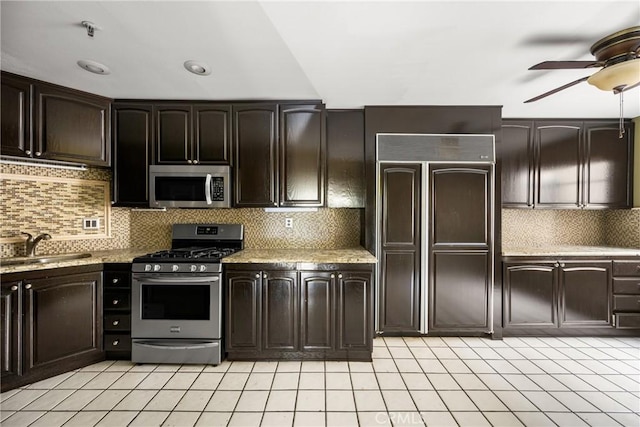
412,381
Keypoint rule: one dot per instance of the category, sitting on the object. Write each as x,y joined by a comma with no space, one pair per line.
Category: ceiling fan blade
565,65
558,89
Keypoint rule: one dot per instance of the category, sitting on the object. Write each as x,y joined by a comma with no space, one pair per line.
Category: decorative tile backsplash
324,229
63,196
537,228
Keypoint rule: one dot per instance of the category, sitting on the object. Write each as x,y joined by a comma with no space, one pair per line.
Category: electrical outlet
288,222
91,223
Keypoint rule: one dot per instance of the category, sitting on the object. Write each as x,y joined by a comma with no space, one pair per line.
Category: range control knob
156,267
193,268
203,268
147,267
175,267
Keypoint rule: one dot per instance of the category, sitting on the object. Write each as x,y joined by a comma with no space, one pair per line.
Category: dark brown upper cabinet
345,159
255,155
72,126
193,133
302,155
132,153
16,100
279,154
46,121
561,164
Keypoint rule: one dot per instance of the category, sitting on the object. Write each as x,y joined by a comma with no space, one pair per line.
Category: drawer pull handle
114,281
258,276
27,286
116,302
340,276
116,323
116,342
333,276
15,288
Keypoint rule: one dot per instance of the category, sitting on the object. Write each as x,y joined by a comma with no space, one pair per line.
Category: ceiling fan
618,57
617,54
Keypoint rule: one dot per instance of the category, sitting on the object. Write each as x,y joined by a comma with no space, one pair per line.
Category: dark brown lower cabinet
565,294
52,322
320,313
117,311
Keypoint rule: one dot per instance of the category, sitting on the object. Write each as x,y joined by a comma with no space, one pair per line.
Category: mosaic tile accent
623,228
324,229
535,228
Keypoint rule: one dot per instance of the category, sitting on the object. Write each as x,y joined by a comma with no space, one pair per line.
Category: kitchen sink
42,259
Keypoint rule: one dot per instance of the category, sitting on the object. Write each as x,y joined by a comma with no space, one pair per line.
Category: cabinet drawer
626,268
117,322
626,286
117,299
117,342
626,303
631,320
117,279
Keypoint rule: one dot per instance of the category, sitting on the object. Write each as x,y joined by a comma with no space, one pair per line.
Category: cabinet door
558,172
280,310
255,159
460,258
607,165
212,134
72,126
517,164
530,295
63,319
11,298
400,263
355,315
585,294
302,155
173,134
345,159
132,148
15,116
316,310
244,310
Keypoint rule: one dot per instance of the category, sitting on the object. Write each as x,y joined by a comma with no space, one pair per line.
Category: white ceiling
349,54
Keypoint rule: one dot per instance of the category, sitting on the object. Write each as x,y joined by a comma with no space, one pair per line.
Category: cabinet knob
27,286
637,267
195,162
340,276
15,288
257,275
116,302
562,264
333,276
115,323
189,161
557,264
27,152
116,342
114,281
38,154
264,276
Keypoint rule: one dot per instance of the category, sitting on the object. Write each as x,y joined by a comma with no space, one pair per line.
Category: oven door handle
178,347
178,279
207,189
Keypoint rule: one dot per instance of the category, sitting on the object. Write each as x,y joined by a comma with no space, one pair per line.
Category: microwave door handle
207,189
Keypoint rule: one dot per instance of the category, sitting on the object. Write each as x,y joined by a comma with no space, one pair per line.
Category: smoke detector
197,67
94,67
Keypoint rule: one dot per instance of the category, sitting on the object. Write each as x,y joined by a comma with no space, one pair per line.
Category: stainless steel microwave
174,186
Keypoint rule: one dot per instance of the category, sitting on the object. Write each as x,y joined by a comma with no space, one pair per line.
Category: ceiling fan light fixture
197,67
94,67
621,75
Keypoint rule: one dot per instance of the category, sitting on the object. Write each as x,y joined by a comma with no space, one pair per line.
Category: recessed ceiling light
94,67
197,68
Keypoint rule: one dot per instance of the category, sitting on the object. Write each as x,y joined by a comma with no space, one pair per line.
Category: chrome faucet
31,243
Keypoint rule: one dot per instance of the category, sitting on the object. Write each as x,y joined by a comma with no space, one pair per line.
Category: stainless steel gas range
176,314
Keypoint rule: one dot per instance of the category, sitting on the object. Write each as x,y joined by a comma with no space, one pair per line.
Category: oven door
175,306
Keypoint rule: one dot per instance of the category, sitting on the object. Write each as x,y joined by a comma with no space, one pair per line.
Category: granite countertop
557,250
97,257
316,256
